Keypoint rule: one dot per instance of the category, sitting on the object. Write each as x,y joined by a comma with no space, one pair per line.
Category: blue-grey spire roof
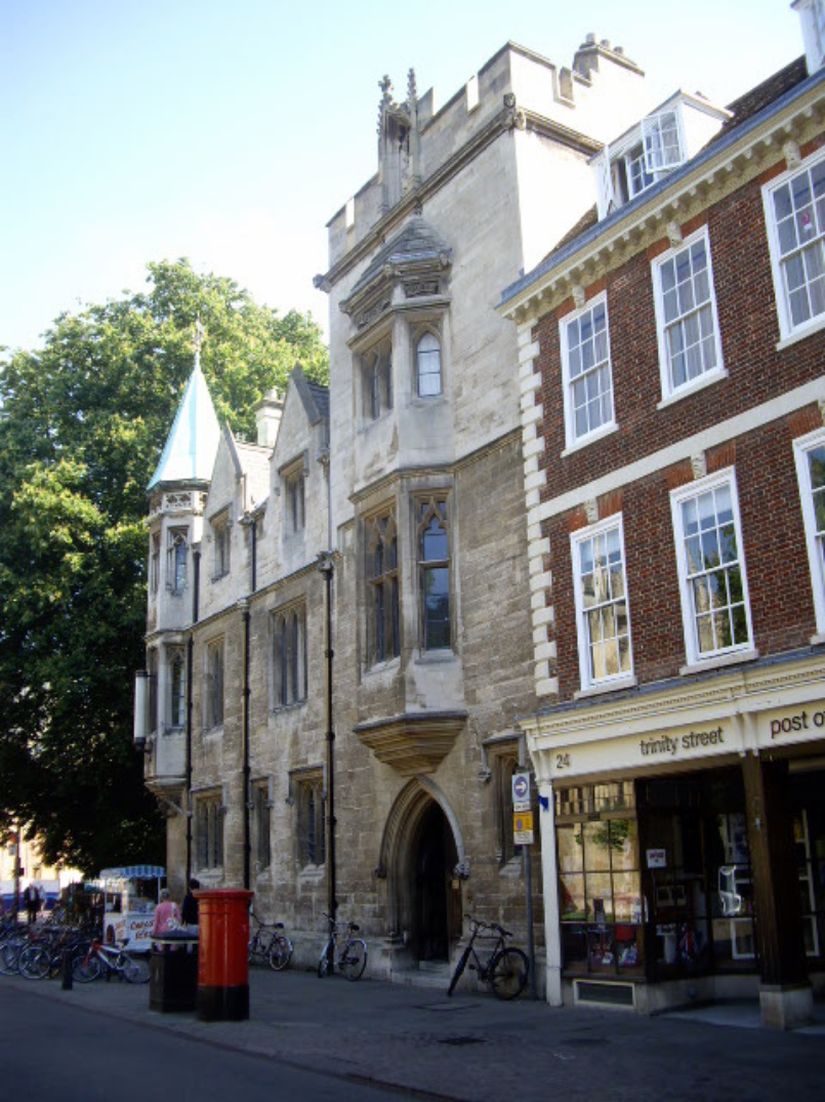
190,448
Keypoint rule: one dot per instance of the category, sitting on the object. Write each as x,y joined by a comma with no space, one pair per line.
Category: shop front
686,860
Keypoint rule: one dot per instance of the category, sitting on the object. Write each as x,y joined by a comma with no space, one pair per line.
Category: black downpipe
190,654
247,810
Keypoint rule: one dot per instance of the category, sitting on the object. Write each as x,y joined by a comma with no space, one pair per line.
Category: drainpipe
248,520
326,566
243,604
190,658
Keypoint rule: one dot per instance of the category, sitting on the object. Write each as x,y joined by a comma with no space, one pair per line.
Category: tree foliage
82,423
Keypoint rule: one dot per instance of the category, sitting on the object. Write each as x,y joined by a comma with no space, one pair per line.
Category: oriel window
434,574
383,632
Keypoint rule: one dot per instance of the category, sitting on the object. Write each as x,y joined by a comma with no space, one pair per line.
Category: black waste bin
173,972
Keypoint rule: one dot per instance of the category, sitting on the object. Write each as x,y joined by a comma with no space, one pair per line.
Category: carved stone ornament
591,509
462,870
578,295
674,234
790,151
698,464
821,404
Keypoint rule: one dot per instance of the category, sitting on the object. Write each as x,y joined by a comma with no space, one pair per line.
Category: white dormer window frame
649,151
663,141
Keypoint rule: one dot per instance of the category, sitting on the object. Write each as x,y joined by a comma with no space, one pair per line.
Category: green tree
82,423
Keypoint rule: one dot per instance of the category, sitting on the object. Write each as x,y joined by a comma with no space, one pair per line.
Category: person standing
31,901
167,915
189,907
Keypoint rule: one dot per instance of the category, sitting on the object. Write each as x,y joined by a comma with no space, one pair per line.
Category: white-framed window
809,453
711,563
587,374
662,141
795,217
213,703
602,610
289,656
428,366
177,552
690,352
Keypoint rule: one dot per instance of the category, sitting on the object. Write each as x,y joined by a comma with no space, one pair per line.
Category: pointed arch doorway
422,846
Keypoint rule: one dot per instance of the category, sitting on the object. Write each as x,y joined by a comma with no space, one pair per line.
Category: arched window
176,554
434,574
428,366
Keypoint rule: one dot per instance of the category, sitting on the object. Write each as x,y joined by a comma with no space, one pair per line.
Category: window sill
817,640
435,657
312,873
219,577
718,661
685,391
381,667
607,687
591,438
292,707
793,338
213,732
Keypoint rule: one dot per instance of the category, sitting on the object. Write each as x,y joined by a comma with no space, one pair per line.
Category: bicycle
269,946
109,960
505,970
342,950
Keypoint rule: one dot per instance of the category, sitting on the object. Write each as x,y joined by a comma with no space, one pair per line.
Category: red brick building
673,413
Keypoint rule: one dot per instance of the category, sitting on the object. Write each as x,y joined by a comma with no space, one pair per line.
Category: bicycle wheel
459,970
353,960
33,962
323,964
136,970
507,974
9,957
280,952
85,969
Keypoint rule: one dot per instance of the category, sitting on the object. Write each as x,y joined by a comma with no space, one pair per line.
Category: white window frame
787,329
572,439
654,151
424,358
678,497
708,375
815,541
589,680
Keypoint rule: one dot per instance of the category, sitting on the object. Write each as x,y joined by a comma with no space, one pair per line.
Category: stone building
410,474
677,406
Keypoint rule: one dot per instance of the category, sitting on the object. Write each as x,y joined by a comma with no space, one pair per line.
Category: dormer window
663,147
657,145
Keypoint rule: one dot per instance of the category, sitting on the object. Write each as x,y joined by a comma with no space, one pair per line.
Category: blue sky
230,132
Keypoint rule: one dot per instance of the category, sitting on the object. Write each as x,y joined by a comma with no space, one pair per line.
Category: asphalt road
52,1051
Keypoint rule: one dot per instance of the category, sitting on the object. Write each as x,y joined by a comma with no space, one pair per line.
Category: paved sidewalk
476,1048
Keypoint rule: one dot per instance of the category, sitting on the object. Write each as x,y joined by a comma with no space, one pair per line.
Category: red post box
223,954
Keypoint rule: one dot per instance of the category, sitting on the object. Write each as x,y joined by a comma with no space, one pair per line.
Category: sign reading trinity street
672,744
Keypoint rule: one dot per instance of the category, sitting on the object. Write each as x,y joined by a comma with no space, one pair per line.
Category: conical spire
192,443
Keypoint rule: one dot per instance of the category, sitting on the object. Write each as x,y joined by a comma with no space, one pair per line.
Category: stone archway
420,851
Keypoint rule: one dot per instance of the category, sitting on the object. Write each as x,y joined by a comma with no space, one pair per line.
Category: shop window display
600,894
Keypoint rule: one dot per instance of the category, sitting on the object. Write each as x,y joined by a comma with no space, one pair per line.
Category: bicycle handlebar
479,924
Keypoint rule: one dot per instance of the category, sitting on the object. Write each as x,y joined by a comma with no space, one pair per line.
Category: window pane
596,846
